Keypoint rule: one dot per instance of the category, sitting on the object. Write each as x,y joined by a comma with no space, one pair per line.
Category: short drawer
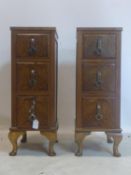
32,77
29,108
99,46
98,78
99,113
31,45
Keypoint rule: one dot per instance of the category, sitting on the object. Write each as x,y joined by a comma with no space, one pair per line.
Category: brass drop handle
33,78
98,50
98,81
32,115
99,115
32,48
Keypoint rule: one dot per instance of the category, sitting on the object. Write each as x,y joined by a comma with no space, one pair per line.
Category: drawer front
32,77
98,77
98,113
99,46
32,45
28,107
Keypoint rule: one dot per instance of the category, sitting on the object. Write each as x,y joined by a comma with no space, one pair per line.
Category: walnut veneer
34,83
98,84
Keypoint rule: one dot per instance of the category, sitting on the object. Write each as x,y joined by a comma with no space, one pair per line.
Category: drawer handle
99,115
32,49
98,50
98,81
32,115
33,80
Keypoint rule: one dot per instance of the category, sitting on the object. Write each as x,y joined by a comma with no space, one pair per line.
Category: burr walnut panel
32,76
98,113
32,45
97,45
23,110
98,77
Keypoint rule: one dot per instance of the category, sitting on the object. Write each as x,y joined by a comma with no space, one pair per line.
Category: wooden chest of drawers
34,83
98,84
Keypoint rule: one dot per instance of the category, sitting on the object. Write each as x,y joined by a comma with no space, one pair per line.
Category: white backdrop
65,15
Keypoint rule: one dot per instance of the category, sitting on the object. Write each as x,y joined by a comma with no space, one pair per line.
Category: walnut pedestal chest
34,84
98,84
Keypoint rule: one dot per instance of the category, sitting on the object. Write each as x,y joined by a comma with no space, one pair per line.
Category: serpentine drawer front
34,84
98,84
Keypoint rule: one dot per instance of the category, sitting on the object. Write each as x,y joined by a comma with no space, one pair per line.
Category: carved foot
13,137
13,153
24,138
52,137
79,137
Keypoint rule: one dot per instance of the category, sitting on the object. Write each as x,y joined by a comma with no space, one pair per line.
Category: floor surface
32,158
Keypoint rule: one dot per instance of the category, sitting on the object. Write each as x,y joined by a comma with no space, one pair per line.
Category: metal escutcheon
33,80
98,82
32,49
98,49
99,115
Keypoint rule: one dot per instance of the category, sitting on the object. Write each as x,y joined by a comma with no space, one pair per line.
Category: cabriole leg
79,137
13,137
52,137
117,137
